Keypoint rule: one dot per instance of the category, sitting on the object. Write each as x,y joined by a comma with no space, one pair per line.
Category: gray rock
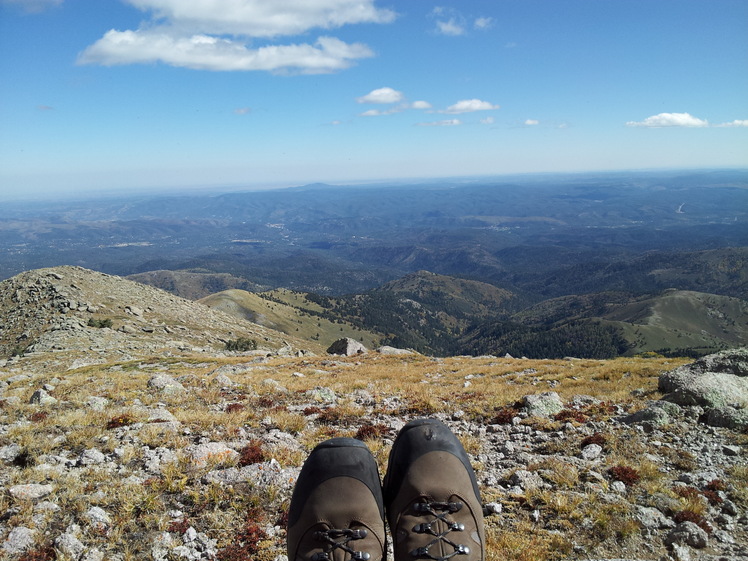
97,403
687,533
526,479
322,395
91,457
545,404
346,347
218,452
98,518
70,545
31,491
165,384
386,350
159,415
19,540
652,518
657,413
41,397
728,417
93,554
591,452
222,381
714,381
10,453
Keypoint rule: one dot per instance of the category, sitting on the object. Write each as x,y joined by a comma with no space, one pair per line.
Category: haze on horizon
138,94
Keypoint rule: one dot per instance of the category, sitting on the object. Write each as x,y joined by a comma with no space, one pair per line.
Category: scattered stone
97,403
41,397
223,381
688,533
165,384
19,540
69,544
211,452
9,453
98,518
322,395
591,452
526,480
92,457
31,491
657,413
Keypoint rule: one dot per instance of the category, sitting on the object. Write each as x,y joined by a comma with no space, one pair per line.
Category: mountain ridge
67,309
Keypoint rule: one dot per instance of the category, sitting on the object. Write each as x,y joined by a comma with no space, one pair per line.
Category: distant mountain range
586,264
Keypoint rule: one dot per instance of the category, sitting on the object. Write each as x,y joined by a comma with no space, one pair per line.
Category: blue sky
150,94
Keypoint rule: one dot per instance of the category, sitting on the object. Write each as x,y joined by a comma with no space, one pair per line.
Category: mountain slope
268,310
422,310
679,320
194,285
74,309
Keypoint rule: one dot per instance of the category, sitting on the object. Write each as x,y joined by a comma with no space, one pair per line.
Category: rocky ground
148,440
196,459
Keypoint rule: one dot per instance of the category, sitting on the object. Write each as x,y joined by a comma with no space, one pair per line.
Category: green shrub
100,323
241,344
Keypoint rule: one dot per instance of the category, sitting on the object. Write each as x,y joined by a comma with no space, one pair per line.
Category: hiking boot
433,503
337,512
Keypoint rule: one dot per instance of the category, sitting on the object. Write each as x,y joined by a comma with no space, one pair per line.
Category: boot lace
440,511
339,539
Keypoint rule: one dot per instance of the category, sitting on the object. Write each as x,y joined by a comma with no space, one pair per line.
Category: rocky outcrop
718,383
346,347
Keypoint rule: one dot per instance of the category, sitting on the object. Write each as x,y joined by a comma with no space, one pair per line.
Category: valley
478,265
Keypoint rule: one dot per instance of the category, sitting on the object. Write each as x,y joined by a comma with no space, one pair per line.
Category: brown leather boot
431,495
336,511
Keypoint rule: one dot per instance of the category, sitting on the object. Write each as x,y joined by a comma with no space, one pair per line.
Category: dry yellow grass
409,387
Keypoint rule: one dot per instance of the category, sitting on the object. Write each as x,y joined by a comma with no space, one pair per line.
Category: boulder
718,383
165,384
545,404
346,347
712,381
657,413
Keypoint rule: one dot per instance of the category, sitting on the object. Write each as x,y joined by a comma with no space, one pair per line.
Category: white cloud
669,120
735,123
242,111
263,18
204,52
448,21
380,112
487,121
195,34
381,95
450,27
531,122
446,123
483,23
468,106
420,105
33,6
